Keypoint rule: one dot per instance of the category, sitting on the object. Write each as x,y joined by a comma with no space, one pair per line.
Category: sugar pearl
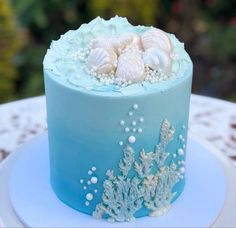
121,143
182,169
141,119
86,203
122,122
94,180
134,123
135,106
89,196
81,181
132,139
140,130
126,129
90,172
93,168
130,113
180,151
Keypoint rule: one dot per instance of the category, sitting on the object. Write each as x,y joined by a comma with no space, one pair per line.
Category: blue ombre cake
117,106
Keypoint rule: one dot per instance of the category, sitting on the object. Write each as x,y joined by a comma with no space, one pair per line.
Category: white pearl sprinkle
132,139
134,123
180,151
174,155
121,143
141,119
95,190
180,137
130,113
184,145
135,106
89,196
183,127
182,169
81,181
84,187
90,172
86,203
140,130
94,180
134,130
88,182
93,168
126,129
122,122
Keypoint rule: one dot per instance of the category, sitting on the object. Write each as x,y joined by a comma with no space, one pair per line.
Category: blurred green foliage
208,28
9,46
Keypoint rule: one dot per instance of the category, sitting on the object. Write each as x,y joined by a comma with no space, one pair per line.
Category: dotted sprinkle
130,113
141,119
93,168
90,172
126,129
121,143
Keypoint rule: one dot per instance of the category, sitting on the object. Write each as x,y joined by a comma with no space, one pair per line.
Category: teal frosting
69,71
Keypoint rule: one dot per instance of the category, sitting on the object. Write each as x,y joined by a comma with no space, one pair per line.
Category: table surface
210,119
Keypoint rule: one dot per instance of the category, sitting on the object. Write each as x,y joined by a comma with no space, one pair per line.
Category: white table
210,119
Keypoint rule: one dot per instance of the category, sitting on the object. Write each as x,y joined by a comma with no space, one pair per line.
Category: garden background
207,27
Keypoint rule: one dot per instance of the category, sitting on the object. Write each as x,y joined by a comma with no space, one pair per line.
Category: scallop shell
102,42
136,40
119,43
156,59
156,38
130,67
102,61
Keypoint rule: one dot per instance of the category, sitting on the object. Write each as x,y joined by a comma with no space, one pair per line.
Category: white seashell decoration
157,58
102,61
119,43
130,67
136,40
102,42
156,38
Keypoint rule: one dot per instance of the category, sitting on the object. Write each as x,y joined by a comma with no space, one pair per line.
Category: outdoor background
207,27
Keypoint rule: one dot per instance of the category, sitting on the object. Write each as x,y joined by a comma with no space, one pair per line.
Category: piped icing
115,57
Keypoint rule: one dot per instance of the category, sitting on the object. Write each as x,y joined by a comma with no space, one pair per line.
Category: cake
117,110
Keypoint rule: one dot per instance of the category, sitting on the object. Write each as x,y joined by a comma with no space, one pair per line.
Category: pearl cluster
89,185
132,126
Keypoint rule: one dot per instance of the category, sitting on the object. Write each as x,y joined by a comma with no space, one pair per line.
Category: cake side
118,153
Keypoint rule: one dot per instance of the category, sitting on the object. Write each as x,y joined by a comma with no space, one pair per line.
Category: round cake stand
208,198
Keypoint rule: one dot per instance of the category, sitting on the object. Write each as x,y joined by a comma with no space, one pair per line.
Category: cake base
37,206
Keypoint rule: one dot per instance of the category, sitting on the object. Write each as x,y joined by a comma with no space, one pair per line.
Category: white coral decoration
152,187
156,59
130,67
156,38
102,61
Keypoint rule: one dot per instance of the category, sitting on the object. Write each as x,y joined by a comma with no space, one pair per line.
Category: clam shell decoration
119,43
102,42
102,61
136,41
156,38
130,67
157,58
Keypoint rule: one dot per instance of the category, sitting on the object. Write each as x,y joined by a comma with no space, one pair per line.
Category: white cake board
37,206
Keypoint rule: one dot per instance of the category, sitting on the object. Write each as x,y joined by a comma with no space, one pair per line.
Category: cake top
115,57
